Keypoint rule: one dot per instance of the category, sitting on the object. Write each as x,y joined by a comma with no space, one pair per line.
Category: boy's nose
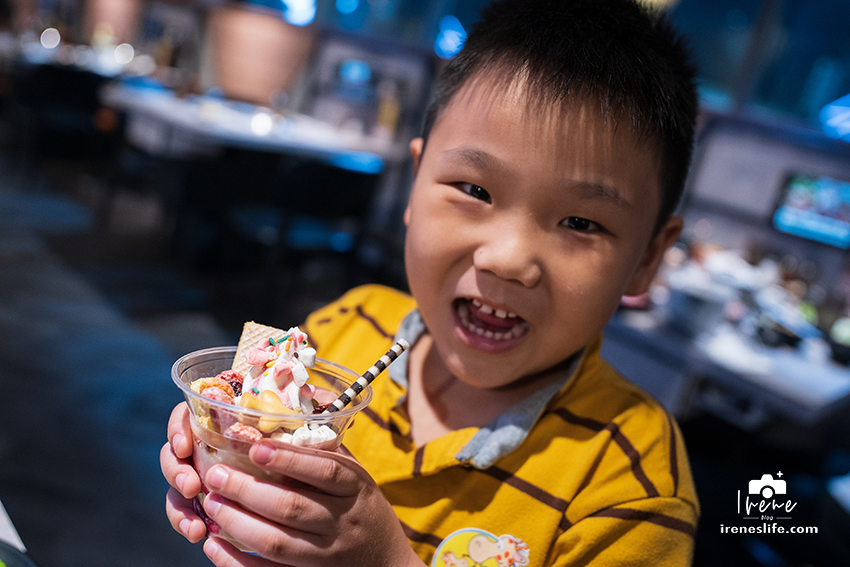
510,255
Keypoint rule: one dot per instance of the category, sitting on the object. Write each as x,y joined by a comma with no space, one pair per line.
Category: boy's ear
416,145
651,260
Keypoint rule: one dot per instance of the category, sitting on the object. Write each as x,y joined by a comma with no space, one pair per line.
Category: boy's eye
475,191
581,225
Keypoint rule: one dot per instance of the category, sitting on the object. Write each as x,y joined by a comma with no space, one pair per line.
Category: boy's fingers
179,474
301,508
223,554
180,431
182,517
328,471
273,541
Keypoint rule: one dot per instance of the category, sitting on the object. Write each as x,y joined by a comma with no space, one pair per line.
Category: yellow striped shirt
591,471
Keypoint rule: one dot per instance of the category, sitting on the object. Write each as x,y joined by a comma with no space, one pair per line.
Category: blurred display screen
817,208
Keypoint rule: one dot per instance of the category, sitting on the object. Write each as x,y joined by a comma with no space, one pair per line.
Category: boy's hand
344,520
176,462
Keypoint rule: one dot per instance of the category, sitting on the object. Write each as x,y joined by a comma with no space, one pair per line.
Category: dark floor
91,318
90,323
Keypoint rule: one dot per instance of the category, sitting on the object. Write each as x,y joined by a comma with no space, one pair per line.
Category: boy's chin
493,375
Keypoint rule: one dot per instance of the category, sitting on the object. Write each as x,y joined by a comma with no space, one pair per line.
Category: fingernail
179,480
263,454
184,526
212,548
177,440
216,478
212,505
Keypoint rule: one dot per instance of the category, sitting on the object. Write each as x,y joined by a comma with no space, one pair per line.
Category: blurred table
164,124
221,158
742,383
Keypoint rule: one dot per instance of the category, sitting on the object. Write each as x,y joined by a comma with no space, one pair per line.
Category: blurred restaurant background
171,169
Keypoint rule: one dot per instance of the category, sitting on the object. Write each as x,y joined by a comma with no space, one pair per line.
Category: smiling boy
551,161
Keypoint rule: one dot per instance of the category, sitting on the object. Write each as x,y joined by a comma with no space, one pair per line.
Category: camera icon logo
767,486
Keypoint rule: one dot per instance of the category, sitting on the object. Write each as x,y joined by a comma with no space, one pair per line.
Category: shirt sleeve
649,532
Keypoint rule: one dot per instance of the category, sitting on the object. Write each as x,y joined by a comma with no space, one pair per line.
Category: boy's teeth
487,310
517,330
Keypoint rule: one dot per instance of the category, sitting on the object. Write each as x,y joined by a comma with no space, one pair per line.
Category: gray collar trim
505,433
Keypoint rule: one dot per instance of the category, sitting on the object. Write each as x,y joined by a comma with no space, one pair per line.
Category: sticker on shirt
471,547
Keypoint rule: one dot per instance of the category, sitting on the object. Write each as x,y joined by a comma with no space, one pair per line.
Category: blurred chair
317,209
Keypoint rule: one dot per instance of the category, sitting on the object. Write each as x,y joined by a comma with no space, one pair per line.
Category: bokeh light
50,38
299,12
347,6
450,38
262,123
124,53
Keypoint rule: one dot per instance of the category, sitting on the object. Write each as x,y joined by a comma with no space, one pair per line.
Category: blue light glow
362,162
835,118
450,38
355,71
299,12
347,6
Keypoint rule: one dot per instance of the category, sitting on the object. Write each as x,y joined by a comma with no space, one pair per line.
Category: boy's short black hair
618,53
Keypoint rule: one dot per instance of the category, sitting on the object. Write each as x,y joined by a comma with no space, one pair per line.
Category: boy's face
525,228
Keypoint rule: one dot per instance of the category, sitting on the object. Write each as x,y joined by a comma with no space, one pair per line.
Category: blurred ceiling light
50,38
450,37
347,6
299,12
124,53
262,123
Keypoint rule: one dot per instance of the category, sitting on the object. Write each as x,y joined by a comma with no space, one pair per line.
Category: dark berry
320,409
235,380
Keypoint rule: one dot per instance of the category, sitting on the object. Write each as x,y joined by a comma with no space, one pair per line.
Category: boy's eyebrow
602,192
478,159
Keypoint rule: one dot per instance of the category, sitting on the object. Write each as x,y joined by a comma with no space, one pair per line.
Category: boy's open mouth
485,323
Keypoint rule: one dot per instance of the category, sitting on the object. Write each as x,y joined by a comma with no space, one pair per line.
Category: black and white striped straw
366,378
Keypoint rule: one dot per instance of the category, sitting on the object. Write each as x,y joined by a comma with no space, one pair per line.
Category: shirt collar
507,431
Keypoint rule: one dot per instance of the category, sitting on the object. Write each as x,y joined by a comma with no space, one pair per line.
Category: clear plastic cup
218,426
